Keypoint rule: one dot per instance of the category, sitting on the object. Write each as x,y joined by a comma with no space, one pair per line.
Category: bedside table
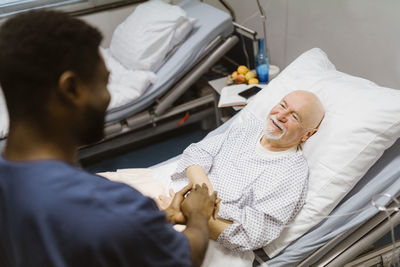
220,83
217,86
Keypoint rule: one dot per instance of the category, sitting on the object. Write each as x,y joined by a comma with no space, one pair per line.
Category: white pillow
362,120
149,34
125,85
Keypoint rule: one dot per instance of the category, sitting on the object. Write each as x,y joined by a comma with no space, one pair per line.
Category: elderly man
51,212
259,172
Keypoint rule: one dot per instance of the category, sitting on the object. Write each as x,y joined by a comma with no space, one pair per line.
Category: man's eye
282,105
295,117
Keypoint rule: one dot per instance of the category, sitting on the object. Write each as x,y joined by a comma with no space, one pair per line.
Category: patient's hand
163,201
173,211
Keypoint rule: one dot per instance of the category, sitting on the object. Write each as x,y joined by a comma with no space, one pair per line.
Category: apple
240,78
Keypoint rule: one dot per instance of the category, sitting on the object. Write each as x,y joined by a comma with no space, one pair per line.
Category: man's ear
308,135
68,88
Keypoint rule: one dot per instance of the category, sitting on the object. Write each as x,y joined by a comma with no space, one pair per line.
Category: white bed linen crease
125,85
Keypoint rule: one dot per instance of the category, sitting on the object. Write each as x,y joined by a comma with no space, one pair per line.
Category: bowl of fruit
242,75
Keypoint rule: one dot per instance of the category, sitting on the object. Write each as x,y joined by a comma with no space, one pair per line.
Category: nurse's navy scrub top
54,214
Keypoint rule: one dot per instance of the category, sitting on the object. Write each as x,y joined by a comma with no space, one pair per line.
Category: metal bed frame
346,247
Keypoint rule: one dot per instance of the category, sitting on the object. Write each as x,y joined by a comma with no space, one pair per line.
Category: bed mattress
382,177
211,22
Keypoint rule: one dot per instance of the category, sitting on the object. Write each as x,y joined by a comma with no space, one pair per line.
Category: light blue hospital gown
259,193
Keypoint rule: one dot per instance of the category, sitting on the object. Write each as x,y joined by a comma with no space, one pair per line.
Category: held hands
174,213
199,202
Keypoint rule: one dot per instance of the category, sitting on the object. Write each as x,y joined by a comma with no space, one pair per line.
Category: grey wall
107,21
361,37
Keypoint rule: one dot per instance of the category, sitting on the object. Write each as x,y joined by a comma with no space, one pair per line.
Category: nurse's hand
198,207
173,212
199,202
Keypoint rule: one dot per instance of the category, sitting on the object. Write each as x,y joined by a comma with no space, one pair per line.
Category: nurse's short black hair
36,47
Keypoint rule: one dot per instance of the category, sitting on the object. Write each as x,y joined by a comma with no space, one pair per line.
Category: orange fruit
253,81
242,69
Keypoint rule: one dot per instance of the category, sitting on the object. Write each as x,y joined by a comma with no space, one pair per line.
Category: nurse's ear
69,90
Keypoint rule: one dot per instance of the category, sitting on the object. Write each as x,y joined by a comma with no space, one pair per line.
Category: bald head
293,120
310,106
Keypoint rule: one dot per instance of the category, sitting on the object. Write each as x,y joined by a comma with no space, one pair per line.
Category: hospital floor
152,153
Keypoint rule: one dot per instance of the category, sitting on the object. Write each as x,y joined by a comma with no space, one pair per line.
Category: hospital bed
338,240
156,111
355,224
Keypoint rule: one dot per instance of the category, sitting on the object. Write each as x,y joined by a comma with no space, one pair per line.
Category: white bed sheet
125,85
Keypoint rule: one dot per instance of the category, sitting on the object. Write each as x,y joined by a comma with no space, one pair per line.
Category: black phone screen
250,91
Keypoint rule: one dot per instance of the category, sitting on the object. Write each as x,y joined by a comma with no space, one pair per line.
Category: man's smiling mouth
276,125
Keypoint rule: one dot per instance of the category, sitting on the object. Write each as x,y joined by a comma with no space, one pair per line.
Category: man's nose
282,115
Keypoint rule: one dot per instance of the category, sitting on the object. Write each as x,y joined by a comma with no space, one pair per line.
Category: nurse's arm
196,209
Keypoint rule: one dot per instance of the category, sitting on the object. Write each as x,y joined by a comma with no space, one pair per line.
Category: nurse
51,212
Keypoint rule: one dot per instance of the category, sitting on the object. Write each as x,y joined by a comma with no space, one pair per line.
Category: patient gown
53,214
259,192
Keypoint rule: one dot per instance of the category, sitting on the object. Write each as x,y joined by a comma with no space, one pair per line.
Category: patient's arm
217,226
197,175
200,154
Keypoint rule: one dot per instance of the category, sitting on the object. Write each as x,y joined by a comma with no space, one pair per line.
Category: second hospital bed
155,110
354,224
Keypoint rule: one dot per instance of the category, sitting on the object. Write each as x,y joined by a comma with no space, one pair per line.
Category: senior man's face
287,123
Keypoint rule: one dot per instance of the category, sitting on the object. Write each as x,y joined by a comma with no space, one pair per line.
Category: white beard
269,130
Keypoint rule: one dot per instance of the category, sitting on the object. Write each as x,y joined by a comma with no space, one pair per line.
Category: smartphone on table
249,92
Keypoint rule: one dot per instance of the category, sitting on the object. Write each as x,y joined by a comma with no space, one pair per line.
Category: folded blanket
140,179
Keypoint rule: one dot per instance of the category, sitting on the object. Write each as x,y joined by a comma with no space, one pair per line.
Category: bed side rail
363,243
200,69
345,247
